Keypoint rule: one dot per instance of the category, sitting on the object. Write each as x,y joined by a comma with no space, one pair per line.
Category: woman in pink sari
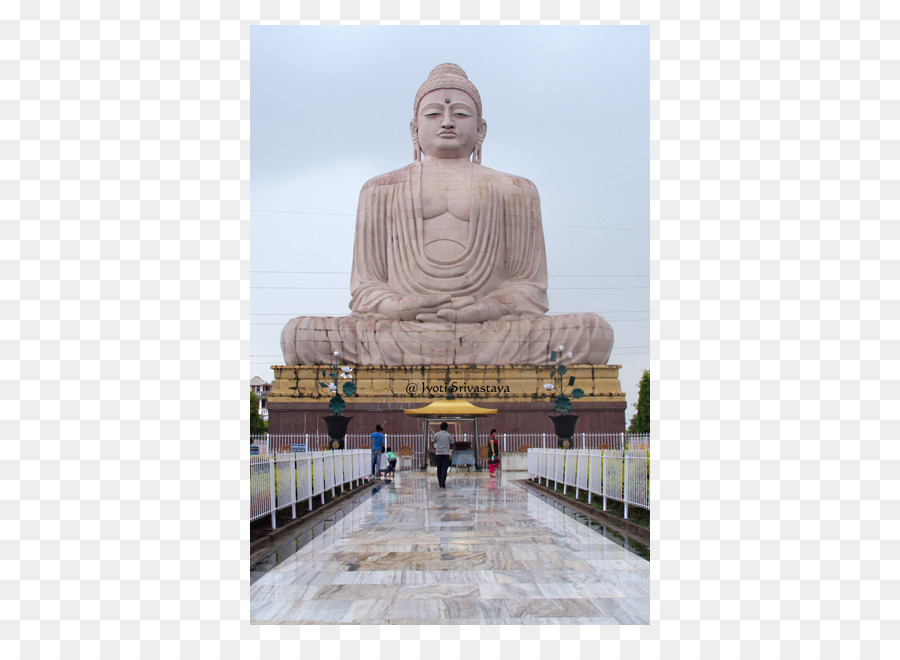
493,452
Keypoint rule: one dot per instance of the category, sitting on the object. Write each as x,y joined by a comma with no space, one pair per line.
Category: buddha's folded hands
409,307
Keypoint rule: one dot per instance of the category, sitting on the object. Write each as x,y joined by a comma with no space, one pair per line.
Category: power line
280,323
552,288
566,275
344,313
346,272
348,215
615,348
353,215
303,272
603,228
617,311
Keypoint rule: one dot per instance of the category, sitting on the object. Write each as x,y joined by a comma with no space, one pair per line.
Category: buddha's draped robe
504,263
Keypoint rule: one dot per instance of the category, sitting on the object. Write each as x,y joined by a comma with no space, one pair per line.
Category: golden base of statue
297,404
419,385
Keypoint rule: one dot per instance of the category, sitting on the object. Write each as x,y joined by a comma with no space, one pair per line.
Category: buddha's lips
447,134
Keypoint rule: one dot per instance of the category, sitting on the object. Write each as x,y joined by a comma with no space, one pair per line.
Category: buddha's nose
448,121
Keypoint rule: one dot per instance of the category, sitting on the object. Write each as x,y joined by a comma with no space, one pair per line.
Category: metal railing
622,475
512,441
272,442
282,480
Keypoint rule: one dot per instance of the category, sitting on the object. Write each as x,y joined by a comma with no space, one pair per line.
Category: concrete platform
481,551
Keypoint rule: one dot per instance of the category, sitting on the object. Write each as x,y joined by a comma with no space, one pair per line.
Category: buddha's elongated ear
414,133
479,138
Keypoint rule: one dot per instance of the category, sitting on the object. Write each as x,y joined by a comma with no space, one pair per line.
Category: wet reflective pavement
481,551
287,549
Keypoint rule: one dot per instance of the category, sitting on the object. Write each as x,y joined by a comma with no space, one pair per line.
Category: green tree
257,424
640,423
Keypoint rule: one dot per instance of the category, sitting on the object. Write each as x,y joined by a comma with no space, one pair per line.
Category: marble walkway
480,551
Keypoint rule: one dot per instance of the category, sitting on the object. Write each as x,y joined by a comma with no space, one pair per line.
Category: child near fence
392,462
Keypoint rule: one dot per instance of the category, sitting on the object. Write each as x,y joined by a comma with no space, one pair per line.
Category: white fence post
604,470
595,477
582,473
577,467
548,467
625,492
293,485
310,472
271,462
334,472
324,472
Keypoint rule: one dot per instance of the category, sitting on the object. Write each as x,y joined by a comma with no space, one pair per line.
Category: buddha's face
447,125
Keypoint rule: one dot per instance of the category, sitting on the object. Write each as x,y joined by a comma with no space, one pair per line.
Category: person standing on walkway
441,443
493,452
377,448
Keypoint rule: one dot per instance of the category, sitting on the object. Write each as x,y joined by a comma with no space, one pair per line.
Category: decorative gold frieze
477,383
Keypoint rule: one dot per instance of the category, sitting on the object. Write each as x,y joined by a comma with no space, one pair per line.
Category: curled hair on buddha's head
448,76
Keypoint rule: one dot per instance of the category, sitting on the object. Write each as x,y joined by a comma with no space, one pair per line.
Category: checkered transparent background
123,199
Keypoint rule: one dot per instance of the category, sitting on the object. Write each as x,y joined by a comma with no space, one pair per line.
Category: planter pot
564,427
337,429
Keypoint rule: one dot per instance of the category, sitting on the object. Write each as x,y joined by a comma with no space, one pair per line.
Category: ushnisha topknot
448,76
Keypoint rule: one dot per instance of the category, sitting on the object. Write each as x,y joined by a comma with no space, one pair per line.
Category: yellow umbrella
452,408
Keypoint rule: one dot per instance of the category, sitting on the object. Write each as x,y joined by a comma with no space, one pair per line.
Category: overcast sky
566,107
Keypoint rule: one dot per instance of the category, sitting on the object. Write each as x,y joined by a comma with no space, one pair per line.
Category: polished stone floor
480,551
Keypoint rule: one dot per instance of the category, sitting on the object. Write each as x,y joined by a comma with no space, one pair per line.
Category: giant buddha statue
449,264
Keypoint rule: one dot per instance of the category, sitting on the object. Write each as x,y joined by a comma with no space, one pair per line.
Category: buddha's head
447,119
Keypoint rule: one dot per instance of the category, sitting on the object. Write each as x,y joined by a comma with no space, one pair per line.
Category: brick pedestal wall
511,417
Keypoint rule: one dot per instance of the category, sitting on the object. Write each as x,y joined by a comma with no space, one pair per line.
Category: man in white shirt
441,443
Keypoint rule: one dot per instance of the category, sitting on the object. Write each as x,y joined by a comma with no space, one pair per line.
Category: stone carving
449,264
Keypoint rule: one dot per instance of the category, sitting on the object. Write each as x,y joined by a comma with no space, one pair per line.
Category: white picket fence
513,441
283,480
272,442
622,475
275,442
